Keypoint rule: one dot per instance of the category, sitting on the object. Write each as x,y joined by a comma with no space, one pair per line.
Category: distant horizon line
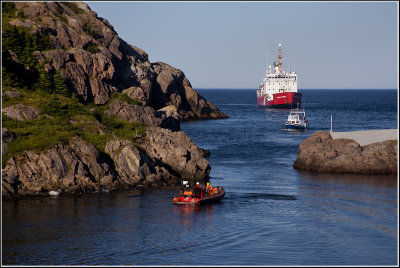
225,88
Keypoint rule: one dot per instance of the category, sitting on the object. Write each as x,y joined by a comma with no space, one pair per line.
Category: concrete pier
365,137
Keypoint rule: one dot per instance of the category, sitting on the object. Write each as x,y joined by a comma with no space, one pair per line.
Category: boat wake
252,196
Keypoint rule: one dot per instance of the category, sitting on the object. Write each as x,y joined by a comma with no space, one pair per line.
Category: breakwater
366,137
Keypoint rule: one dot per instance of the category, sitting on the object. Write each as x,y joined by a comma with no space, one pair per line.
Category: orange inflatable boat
206,197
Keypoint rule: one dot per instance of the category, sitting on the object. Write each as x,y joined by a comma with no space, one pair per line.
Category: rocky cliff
321,153
56,53
95,62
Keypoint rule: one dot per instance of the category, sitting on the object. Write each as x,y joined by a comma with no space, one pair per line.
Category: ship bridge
279,81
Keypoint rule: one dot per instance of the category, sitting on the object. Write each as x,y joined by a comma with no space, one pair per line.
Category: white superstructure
277,81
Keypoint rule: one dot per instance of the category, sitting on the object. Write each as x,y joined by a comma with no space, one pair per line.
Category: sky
331,45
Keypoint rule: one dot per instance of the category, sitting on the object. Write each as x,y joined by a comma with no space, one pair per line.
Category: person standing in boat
197,190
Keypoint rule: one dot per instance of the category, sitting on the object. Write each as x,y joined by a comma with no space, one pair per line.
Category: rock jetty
94,63
321,153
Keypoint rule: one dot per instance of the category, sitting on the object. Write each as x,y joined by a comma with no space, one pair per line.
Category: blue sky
227,44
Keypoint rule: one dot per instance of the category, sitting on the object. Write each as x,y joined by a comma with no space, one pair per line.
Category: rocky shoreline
95,63
321,153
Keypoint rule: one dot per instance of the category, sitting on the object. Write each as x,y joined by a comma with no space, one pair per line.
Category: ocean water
272,214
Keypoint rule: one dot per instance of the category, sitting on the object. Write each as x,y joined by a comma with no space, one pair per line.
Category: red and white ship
279,88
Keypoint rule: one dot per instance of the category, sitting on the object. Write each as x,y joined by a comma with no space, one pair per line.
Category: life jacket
188,193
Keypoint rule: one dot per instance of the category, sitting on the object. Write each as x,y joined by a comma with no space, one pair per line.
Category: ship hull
294,127
281,100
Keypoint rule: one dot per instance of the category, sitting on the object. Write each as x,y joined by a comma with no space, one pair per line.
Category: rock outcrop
11,94
76,167
177,151
133,113
173,88
21,112
135,167
321,153
79,167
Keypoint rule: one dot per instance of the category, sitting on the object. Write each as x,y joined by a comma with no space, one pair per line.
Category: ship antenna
279,58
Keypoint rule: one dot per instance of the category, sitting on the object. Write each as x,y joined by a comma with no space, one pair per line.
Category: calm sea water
272,214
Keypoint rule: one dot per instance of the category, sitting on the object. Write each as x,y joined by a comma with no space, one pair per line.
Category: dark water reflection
351,179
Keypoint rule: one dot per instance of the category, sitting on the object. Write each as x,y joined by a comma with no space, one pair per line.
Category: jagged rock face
176,150
79,167
173,88
137,93
169,117
115,66
144,114
133,113
321,153
132,164
73,168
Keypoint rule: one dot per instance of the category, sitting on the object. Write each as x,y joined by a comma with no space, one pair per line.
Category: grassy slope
62,115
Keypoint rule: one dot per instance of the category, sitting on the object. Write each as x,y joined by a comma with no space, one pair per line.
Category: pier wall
365,137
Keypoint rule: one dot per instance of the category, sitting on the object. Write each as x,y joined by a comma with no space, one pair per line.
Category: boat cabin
296,119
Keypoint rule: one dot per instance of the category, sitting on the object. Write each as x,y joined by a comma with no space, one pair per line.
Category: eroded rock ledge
78,167
321,153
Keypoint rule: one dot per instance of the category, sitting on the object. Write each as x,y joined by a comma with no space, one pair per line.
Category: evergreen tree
59,85
45,81
8,8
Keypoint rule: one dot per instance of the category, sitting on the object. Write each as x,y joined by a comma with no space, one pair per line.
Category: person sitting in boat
209,188
197,190
203,191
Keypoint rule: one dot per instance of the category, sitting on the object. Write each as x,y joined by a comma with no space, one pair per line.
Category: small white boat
55,193
296,120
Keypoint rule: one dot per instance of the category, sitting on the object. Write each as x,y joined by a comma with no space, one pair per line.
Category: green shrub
62,18
92,48
61,119
123,97
8,9
90,31
23,43
73,6
21,15
35,135
132,131
60,86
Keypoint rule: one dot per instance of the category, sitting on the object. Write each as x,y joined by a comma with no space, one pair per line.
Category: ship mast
279,58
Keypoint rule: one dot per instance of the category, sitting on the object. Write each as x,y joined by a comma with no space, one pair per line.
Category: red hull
281,100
